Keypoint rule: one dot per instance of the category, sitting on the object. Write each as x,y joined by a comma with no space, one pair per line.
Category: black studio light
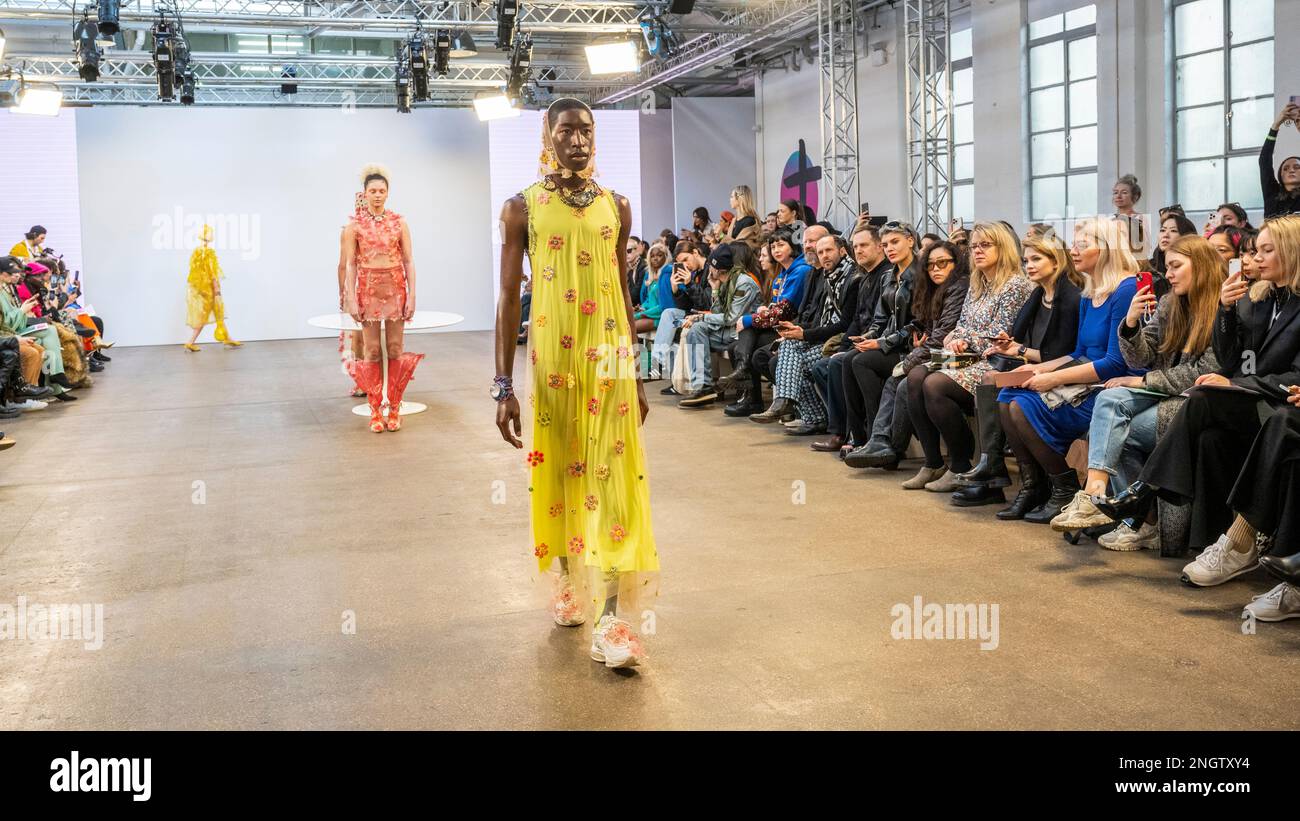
84,37
442,52
507,21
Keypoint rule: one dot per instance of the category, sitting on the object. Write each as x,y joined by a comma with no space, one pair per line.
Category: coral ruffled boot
400,372
369,377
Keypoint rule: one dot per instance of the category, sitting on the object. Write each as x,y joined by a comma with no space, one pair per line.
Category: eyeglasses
936,264
983,246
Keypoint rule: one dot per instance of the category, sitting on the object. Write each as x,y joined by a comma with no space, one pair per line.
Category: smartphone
1234,267
1295,100
1145,280
959,223
865,209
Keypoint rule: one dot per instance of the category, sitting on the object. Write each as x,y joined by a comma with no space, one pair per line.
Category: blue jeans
1122,434
661,354
700,343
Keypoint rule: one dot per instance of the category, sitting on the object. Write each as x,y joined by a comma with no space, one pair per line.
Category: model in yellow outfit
203,302
589,490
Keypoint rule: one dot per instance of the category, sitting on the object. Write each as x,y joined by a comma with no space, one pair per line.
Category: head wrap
549,163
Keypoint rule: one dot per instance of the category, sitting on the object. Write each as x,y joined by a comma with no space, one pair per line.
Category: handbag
830,346
681,376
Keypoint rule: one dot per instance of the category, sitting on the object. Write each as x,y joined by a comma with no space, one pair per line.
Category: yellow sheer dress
590,494
203,304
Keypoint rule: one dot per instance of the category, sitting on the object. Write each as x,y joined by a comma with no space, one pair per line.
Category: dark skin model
573,136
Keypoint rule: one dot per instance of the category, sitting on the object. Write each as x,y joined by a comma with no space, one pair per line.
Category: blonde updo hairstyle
374,171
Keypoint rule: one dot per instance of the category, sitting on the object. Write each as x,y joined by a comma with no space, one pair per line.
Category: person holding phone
1202,452
16,317
1046,328
1174,348
681,292
1281,190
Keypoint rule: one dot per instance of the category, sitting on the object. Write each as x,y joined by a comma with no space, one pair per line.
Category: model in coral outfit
380,288
587,476
203,303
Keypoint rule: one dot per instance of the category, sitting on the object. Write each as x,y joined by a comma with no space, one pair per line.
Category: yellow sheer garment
590,495
203,303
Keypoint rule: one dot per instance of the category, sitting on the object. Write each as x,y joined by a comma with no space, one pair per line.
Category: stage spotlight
417,66
462,45
660,41
521,61
441,52
43,101
507,20
84,37
164,59
9,91
403,89
108,12
288,75
613,58
187,87
495,107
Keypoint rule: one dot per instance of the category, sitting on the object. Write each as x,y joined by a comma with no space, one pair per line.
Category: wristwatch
502,388
1021,351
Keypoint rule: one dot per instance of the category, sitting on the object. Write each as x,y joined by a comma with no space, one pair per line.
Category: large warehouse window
1223,98
1063,114
963,113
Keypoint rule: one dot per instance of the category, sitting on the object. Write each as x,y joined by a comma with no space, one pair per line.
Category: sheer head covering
372,170
206,234
549,162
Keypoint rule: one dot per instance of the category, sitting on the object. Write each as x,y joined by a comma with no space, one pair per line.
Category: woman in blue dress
1054,407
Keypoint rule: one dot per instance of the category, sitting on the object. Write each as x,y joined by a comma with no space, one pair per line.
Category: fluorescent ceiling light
43,101
613,58
494,108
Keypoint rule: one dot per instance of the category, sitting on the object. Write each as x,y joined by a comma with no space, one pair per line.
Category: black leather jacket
894,310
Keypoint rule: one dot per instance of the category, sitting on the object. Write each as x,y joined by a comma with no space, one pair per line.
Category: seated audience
940,401
1045,329
1170,339
1281,190
734,286
1055,406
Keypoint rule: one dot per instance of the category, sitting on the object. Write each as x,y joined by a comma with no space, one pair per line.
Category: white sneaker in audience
1219,563
1279,604
1125,538
793,423
1080,513
32,404
614,644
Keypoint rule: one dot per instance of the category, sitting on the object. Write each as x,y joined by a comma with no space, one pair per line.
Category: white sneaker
32,405
793,423
1278,604
1219,563
614,644
565,606
1079,514
1125,538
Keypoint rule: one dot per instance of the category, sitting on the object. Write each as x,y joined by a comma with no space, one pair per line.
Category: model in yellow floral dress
203,301
589,490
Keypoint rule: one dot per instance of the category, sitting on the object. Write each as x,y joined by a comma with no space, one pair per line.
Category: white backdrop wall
40,162
713,152
278,185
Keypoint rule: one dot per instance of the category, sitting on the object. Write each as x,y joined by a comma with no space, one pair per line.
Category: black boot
1064,487
1286,568
992,468
99,355
782,410
59,379
1133,502
1033,492
977,495
745,405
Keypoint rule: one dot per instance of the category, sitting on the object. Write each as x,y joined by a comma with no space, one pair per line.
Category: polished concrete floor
781,567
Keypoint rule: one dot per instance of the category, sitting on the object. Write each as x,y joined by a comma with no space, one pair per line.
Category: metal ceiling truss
344,98
928,92
837,78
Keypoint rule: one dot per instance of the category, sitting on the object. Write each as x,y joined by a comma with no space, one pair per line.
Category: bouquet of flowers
769,316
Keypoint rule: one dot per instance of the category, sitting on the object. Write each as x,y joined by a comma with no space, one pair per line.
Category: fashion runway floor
775,611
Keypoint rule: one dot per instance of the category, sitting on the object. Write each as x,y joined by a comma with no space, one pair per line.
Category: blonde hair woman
1046,328
1201,454
747,217
1171,340
1040,434
939,402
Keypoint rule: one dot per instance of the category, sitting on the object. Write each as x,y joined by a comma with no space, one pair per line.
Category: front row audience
1173,383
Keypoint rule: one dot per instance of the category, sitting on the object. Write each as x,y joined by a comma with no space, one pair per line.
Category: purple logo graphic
799,179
